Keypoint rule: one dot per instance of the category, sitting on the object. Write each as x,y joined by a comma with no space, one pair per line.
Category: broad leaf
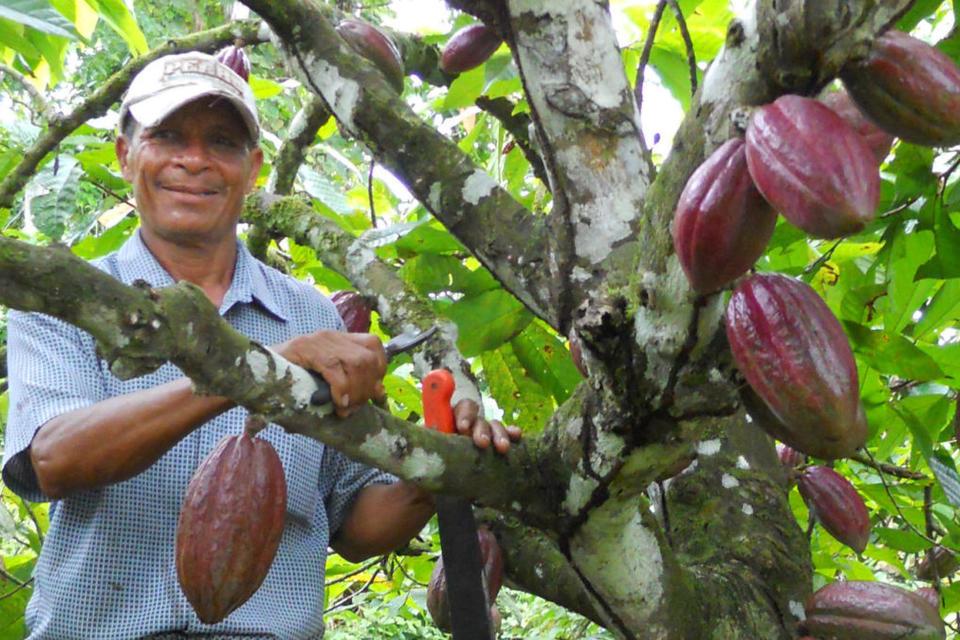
891,354
524,402
39,15
487,320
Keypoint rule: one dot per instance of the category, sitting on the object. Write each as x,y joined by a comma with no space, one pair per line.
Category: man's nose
193,154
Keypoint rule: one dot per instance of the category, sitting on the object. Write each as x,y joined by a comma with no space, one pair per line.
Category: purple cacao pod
939,562
795,356
722,224
236,59
438,604
812,167
789,457
375,46
468,48
857,610
353,309
930,595
876,138
909,88
836,505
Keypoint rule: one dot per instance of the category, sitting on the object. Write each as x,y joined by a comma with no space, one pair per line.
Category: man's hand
353,364
466,414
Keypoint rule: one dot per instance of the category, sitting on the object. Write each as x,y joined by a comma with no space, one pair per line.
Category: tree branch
461,195
45,109
300,135
102,99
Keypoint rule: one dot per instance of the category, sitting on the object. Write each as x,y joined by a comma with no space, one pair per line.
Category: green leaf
524,402
11,35
891,354
945,470
430,238
921,9
431,273
263,88
943,310
116,14
51,195
946,263
465,89
902,539
322,189
39,15
488,320
110,240
403,392
921,435
547,360
904,296
673,71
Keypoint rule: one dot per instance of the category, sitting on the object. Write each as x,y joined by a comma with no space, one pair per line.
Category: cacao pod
375,46
860,610
939,562
722,224
576,353
468,48
836,505
812,167
930,595
353,309
230,525
789,457
909,88
236,59
437,594
795,356
876,138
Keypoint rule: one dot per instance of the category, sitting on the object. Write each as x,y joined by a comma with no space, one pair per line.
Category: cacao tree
519,202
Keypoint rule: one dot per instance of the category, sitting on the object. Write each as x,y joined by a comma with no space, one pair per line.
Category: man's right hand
353,364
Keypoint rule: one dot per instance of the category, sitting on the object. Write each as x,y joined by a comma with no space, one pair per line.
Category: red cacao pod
930,595
230,525
576,353
353,309
236,59
722,224
876,138
812,167
795,356
437,594
375,46
468,48
909,88
789,457
871,610
836,505
939,562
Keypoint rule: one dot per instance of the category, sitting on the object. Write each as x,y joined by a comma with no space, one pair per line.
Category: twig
45,108
819,262
896,506
346,576
373,211
642,65
517,124
890,469
406,575
33,517
691,54
6,575
20,588
341,604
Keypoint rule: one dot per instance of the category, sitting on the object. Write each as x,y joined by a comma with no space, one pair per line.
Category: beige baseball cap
170,82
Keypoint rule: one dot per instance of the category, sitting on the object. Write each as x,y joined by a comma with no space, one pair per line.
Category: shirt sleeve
341,479
52,368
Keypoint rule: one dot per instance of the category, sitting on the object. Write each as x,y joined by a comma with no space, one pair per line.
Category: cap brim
151,111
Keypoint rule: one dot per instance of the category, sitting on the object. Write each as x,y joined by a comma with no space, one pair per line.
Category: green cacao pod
836,505
876,138
468,48
353,309
812,167
909,88
230,525
871,610
375,46
722,224
939,562
236,59
795,357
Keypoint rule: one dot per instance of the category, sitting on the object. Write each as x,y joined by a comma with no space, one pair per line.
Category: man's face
190,173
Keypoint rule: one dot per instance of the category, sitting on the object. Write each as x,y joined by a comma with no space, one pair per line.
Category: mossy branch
101,100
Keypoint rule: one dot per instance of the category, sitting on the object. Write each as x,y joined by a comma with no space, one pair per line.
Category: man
115,456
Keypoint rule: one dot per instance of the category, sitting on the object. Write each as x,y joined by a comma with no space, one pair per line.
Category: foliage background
895,287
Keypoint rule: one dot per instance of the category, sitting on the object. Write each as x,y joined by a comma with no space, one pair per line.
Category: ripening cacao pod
939,562
909,88
230,525
236,59
876,138
796,358
437,593
857,610
353,309
930,595
722,224
812,166
789,457
468,48
576,353
836,505
375,46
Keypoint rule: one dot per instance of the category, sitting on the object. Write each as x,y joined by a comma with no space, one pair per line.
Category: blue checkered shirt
107,567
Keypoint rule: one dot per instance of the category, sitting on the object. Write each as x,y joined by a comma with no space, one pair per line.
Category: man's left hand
469,422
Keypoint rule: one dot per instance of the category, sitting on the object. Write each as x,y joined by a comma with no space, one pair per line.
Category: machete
462,560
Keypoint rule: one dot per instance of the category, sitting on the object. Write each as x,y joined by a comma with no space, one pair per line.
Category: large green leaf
920,10
546,359
39,15
946,262
524,402
904,296
891,353
118,16
487,320
52,196
943,310
431,273
320,187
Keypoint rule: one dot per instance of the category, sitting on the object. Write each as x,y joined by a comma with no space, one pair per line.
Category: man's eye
162,135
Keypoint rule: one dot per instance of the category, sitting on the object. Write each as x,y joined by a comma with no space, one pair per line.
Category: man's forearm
384,517
117,438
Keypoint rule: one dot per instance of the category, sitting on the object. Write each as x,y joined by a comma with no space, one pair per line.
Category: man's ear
122,147
256,161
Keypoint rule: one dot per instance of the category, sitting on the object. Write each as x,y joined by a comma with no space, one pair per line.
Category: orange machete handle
438,388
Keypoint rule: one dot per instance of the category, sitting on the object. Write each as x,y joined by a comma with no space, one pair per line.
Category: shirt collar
249,283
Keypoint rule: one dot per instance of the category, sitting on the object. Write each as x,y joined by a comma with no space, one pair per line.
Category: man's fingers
481,433
501,436
465,414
